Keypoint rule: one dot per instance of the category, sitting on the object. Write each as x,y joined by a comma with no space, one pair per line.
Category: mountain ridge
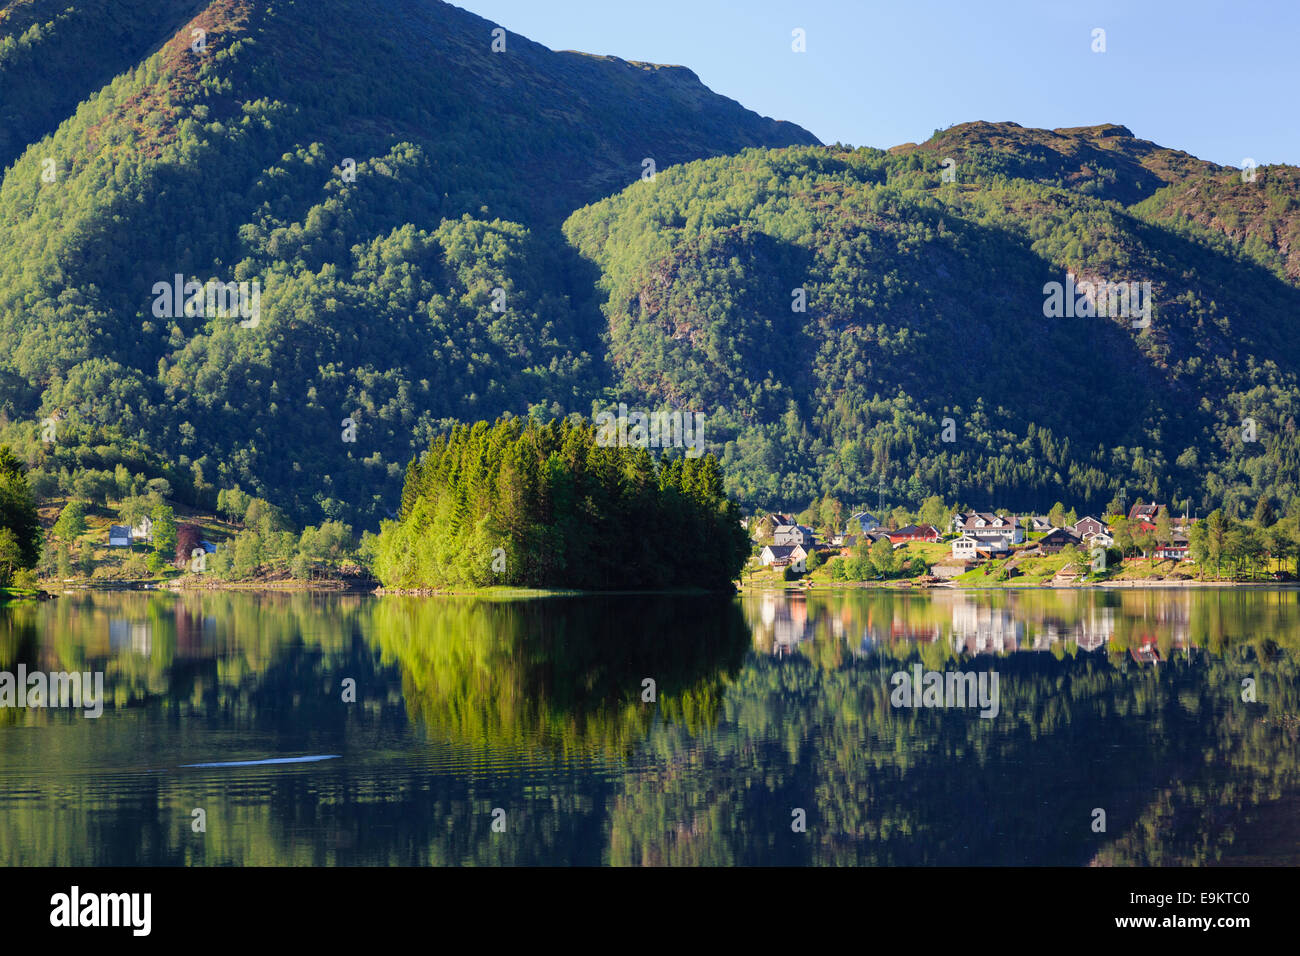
500,245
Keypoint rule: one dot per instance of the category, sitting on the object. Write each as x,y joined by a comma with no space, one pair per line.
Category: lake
1131,727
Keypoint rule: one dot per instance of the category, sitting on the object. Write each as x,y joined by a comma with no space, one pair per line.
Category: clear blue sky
1217,78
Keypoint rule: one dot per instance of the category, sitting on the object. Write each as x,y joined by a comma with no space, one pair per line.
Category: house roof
119,531
989,520
914,529
785,551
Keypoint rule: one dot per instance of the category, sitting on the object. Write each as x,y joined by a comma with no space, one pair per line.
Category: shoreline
506,593
1046,586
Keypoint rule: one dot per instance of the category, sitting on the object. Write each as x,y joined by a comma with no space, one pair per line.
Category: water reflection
974,623
647,730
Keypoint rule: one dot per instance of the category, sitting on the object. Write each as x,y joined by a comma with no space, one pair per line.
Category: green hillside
56,53
377,290
438,228
925,300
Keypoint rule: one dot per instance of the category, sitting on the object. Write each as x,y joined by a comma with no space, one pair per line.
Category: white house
986,526
143,530
119,536
1099,539
964,547
970,548
780,555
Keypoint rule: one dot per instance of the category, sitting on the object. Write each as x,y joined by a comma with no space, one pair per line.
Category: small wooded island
546,505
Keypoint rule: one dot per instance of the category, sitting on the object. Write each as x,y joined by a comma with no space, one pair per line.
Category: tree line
524,503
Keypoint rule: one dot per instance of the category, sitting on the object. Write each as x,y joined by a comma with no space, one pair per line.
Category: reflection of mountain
535,706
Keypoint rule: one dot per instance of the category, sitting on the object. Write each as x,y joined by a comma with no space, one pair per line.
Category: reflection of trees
195,650
536,707
525,705
563,675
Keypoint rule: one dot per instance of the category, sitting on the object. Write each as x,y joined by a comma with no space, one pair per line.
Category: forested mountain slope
396,183
379,302
925,301
56,53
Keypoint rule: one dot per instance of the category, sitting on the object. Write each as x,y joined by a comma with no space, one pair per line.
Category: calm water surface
531,713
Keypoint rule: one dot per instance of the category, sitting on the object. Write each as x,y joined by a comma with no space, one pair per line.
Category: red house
914,532
1146,515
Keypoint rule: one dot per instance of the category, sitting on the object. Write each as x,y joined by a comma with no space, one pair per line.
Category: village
972,547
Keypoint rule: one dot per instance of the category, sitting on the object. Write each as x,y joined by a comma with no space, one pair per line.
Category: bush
24,579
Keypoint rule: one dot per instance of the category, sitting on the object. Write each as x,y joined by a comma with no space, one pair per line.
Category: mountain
435,220
56,53
388,186
923,361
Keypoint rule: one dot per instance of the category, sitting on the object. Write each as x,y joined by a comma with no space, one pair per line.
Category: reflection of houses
134,636
1146,653
786,617
981,629
1155,625
1095,628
